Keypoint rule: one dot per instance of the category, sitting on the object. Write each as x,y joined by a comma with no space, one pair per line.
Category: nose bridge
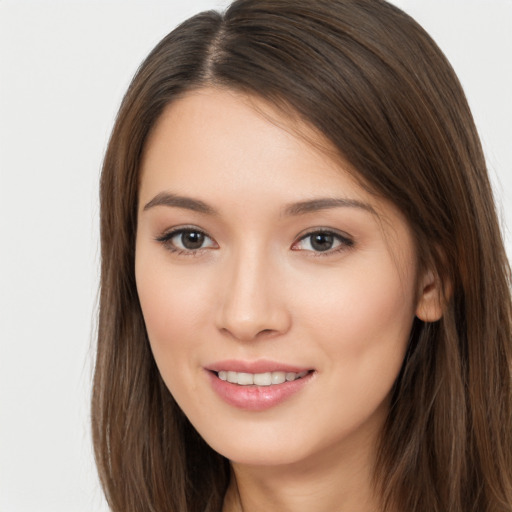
251,302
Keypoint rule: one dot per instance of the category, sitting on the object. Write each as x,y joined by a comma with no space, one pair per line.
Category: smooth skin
253,244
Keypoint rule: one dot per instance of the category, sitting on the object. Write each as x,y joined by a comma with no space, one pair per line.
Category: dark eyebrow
176,201
299,208
315,205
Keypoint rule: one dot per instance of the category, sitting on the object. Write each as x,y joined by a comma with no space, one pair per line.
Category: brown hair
377,87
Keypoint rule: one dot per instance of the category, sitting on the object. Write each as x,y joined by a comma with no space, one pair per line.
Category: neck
339,481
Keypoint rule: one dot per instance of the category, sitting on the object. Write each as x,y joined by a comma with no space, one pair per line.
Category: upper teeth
259,379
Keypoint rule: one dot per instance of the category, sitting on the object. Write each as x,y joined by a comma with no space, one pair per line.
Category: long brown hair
378,88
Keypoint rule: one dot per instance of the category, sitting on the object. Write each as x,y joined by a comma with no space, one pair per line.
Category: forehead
220,137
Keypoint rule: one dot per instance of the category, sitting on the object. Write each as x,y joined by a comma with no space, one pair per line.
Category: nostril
266,332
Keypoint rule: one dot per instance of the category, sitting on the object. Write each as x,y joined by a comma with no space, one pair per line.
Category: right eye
186,240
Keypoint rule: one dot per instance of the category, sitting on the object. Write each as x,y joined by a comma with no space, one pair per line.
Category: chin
265,456
269,445
256,445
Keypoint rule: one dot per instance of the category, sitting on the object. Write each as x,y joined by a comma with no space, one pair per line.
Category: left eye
187,240
322,241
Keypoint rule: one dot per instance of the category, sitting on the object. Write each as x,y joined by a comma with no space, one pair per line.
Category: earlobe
430,306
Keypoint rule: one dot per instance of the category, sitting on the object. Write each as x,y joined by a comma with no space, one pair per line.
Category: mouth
258,386
260,379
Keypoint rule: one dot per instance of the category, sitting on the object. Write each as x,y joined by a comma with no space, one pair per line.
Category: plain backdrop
63,69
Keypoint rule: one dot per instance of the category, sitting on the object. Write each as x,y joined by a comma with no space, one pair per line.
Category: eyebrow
293,209
314,205
176,201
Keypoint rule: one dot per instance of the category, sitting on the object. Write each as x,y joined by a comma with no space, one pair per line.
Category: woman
305,298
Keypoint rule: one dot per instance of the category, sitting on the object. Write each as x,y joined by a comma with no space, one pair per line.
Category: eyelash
166,240
344,242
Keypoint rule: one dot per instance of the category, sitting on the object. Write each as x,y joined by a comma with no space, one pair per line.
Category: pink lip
260,366
255,398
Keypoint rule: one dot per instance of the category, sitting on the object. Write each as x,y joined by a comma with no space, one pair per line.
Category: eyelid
346,241
166,237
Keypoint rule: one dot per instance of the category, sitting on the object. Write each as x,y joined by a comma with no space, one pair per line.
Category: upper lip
259,366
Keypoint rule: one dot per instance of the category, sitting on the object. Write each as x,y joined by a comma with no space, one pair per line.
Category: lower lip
256,398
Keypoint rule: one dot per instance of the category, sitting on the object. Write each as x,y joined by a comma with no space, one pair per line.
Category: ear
431,301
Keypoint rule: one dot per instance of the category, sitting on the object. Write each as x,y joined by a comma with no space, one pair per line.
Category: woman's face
278,294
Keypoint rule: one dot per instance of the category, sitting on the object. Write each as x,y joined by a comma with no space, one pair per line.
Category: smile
257,390
259,379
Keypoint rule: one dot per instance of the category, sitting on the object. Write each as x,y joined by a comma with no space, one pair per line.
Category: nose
252,301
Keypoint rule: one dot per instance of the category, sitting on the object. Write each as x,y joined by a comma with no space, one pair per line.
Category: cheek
361,323
175,306
362,320
168,307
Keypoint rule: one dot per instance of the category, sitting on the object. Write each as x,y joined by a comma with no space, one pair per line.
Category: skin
257,289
